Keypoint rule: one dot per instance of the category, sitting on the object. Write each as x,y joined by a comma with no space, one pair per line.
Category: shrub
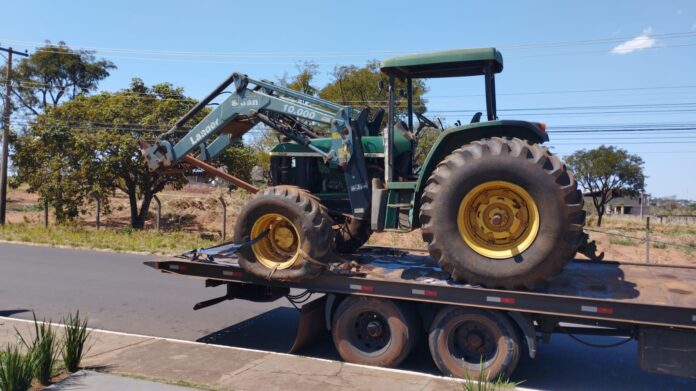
15,370
74,339
42,350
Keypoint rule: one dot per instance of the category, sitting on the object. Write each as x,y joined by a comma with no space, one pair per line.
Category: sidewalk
229,368
90,380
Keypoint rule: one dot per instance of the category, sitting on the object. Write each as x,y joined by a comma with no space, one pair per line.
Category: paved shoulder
90,380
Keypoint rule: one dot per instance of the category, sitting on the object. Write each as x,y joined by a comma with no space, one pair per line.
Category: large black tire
464,341
384,345
351,234
311,223
544,178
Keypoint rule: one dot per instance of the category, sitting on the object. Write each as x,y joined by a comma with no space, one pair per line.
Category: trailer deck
644,294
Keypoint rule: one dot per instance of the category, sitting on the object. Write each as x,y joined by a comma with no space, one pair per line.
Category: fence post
45,210
647,239
159,213
224,217
98,210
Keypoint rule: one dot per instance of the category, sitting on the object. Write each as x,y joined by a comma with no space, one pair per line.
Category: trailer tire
463,341
501,212
299,234
372,331
351,234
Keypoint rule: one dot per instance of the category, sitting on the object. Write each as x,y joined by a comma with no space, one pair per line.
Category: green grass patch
621,241
165,242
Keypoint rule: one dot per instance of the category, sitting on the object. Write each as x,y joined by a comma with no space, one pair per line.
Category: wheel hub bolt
374,328
496,219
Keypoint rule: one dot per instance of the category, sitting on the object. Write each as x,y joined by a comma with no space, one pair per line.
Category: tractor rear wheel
297,231
351,234
501,212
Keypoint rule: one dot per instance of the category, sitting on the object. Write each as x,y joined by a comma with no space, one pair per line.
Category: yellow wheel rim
280,248
498,219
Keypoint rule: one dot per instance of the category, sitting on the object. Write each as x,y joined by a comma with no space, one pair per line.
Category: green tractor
495,207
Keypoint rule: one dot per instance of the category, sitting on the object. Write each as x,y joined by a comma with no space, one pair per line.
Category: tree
56,72
359,87
606,172
303,80
87,147
238,160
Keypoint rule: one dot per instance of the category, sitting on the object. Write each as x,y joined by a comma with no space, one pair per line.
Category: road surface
117,292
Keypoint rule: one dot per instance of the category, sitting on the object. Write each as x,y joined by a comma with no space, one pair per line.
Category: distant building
622,205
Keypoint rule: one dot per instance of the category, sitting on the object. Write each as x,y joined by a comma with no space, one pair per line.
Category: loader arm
270,104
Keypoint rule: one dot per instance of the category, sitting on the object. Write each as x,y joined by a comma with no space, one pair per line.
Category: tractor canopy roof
450,63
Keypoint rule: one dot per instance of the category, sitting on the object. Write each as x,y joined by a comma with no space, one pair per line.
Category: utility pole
6,132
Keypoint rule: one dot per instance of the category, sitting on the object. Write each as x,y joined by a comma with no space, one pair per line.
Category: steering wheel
423,122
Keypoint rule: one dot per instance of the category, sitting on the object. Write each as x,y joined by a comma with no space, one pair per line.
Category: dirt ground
196,208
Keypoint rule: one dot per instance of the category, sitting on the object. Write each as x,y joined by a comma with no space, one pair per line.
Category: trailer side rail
447,292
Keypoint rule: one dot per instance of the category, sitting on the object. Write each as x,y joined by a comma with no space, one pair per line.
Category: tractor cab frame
453,63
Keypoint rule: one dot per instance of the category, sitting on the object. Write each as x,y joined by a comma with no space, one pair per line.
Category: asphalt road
117,292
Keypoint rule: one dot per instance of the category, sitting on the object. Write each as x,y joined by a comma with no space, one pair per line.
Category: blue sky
574,65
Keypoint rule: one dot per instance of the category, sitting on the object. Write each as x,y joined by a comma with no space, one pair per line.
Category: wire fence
647,239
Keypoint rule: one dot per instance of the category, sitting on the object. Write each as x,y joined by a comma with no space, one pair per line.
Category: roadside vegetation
479,382
34,361
124,239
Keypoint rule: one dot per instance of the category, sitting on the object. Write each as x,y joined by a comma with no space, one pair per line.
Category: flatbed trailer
654,304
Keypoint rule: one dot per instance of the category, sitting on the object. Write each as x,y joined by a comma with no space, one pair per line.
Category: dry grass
194,215
107,238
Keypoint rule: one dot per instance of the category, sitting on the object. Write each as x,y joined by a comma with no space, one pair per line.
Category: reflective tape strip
181,268
498,299
598,310
424,292
361,287
232,273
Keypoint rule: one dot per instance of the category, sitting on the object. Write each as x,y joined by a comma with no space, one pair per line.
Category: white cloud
643,41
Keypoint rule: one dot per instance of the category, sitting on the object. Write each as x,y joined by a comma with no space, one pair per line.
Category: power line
518,93
340,54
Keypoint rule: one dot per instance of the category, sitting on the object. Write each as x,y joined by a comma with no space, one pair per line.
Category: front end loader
495,207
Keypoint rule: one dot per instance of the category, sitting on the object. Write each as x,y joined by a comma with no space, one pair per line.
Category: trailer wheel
351,234
501,212
373,331
465,341
297,231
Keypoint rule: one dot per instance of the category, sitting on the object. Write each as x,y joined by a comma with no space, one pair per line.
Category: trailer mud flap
667,351
311,324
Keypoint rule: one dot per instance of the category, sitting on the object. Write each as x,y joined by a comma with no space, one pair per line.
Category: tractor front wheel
294,230
501,212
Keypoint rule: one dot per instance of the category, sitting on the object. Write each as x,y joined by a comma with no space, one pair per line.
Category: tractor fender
453,138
